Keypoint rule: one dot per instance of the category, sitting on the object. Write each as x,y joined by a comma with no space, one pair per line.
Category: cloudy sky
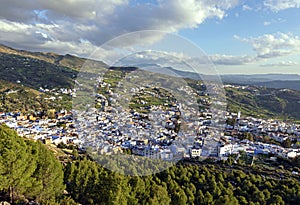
239,36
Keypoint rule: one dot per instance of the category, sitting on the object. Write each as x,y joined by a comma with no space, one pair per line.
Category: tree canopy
30,171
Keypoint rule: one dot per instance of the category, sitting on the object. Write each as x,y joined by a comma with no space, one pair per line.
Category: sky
238,36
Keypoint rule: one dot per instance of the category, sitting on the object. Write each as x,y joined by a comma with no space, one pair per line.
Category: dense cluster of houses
56,92
169,131
274,130
58,130
108,134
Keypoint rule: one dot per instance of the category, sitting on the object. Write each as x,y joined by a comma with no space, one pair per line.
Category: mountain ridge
66,60
270,80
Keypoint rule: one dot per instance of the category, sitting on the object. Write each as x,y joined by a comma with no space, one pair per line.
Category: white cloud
246,7
278,5
274,45
280,64
267,23
232,60
274,21
182,61
68,21
29,10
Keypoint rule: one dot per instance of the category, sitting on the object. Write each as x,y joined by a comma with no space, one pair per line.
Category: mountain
252,100
67,60
279,84
280,81
289,81
40,69
169,71
25,72
260,78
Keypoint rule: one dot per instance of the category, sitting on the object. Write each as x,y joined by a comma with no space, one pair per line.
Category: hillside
264,102
40,69
34,73
15,97
34,70
67,60
279,81
291,84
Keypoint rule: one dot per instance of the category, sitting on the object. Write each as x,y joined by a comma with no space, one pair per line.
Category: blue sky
239,36
217,36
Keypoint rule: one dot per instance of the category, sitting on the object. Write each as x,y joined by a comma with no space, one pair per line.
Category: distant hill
279,84
32,70
260,78
67,60
16,97
264,102
289,81
40,69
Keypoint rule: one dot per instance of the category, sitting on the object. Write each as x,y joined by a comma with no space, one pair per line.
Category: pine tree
49,173
16,164
82,179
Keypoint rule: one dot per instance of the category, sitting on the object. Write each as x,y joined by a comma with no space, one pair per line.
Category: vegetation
67,60
17,98
29,171
89,183
143,100
50,70
264,102
35,73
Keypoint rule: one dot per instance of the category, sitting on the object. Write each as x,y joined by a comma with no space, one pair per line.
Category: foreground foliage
89,183
29,171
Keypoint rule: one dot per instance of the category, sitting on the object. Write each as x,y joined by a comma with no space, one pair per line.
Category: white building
195,152
225,150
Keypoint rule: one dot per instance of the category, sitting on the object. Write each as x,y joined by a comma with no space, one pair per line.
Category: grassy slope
15,97
266,103
34,73
69,61
36,70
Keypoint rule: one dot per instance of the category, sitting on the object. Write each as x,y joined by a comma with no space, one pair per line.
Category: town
157,131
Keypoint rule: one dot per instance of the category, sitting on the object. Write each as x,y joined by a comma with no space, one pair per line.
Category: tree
28,169
199,197
228,200
242,200
82,179
208,198
229,161
159,195
51,113
296,161
276,200
179,197
231,121
16,163
49,173
248,136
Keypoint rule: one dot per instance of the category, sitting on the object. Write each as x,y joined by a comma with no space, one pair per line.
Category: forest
30,172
